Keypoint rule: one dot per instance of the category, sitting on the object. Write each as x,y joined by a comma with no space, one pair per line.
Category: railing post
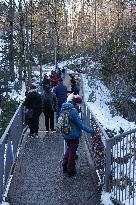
1,171
107,166
9,160
88,116
84,109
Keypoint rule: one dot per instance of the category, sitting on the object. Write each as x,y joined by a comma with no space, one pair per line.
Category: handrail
9,144
99,125
116,165
9,125
120,166
96,144
96,120
123,135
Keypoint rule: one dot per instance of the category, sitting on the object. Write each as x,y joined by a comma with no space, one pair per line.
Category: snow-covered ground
101,97
18,96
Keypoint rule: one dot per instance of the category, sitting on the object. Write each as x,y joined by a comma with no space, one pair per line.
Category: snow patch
105,198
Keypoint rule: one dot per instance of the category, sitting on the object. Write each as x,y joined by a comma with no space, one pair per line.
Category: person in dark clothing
33,102
72,138
73,84
63,72
54,79
77,84
50,105
59,73
46,81
61,94
75,89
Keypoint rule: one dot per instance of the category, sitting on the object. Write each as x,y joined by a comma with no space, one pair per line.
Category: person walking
33,104
74,88
59,73
46,81
54,79
50,105
63,73
72,138
61,94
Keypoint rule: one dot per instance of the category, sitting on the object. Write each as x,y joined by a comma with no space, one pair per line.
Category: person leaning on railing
72,138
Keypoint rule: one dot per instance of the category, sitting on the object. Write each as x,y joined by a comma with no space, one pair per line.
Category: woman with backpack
72,137
50,105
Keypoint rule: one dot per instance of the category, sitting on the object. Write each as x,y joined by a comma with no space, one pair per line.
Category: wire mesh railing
120,175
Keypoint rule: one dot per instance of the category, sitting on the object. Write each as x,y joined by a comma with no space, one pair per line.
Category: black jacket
49,101
33,101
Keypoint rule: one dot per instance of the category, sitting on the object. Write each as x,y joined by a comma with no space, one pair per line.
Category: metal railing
114,159
120,168
96,144
9,144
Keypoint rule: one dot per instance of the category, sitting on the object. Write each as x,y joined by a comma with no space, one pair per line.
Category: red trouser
70,155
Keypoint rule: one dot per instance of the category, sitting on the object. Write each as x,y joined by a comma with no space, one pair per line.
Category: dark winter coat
54,80
77,124
49,101
59,73
75,89
63,70
73,81
46,82
61,93
33,101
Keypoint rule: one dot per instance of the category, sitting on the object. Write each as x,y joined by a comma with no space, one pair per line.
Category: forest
105,30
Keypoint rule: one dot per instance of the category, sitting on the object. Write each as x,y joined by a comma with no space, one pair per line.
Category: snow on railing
96,143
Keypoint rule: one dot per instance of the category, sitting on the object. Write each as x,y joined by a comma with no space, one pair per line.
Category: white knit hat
70,97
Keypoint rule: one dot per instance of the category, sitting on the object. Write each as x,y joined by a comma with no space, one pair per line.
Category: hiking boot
47,132
53,131
32,136
65,170
71,174
76,157
36,136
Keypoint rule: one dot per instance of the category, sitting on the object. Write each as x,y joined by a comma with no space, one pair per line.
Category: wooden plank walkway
38,178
